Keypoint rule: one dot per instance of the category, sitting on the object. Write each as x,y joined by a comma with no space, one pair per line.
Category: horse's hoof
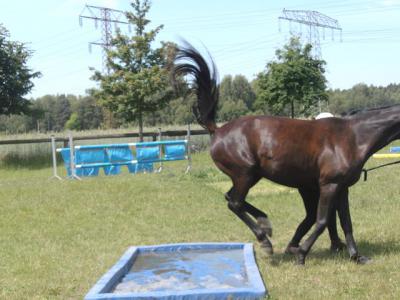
361,260
337,247
227,197
300,255
265,225
292,250
268,231
300,259
267,249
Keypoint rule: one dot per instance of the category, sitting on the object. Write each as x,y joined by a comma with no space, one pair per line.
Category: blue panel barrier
65,153
394,149
118,154
146,156
89,158
95,156
144,167
147,153
175,152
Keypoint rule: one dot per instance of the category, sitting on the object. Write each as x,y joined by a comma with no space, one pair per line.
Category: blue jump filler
394,150
193,271
86,160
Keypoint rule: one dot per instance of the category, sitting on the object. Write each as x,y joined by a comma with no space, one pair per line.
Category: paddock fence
64,139
37,152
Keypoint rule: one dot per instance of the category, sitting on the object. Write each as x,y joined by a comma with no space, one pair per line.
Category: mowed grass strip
58,238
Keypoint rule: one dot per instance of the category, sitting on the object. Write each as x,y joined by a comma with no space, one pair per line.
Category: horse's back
280,149
279,133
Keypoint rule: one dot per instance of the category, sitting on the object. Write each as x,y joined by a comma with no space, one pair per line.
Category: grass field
58,237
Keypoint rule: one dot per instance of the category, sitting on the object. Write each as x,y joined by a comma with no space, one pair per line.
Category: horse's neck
375,129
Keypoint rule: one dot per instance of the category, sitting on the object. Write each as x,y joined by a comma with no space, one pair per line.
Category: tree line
238,98
136,91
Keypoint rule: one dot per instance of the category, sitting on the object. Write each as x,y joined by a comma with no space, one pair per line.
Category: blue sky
242,37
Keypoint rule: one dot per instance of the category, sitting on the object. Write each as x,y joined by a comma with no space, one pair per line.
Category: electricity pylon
106,17
314,22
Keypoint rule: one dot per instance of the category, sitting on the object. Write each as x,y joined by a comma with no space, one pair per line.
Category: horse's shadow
372,250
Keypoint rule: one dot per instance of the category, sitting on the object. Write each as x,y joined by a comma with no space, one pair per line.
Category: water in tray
185,270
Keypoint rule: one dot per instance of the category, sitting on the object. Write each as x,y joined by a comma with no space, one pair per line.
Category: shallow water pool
185,270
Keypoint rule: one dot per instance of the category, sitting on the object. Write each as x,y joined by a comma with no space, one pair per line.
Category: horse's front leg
345,222
327,198
336,243
310,199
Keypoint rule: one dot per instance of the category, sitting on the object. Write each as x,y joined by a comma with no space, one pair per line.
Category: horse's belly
293,182
291,177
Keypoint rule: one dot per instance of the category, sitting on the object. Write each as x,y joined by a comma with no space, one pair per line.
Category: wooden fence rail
153,135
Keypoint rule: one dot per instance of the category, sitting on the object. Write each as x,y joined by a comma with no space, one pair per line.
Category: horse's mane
365,110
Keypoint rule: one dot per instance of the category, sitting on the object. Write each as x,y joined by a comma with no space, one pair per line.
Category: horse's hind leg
236,202
260,216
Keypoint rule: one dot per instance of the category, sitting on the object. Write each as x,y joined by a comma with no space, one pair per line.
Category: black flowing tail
188,61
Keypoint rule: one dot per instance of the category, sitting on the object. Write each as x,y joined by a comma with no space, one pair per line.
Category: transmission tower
314,22
106,17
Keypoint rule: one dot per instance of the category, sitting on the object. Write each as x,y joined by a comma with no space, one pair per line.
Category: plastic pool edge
101,290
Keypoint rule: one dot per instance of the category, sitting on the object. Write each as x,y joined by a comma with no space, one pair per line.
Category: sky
241,36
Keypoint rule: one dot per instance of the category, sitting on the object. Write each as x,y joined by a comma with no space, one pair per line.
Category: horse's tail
188,61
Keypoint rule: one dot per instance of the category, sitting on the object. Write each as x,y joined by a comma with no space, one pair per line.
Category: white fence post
72,158
160,149
53,153
188,150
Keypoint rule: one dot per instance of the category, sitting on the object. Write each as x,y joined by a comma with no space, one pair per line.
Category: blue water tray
183,271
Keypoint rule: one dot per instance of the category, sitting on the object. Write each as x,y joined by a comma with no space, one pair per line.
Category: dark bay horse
321,158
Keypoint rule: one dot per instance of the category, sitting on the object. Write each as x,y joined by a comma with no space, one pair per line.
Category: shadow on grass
366,248
386,247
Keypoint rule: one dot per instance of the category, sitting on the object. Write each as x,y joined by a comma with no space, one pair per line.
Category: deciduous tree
237,97
295,80
15,75
137,82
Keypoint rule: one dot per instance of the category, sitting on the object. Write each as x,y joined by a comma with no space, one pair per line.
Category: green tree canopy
232,109
89,115
137,82
236,97
62,112
294,83
15,76
73,122
363,96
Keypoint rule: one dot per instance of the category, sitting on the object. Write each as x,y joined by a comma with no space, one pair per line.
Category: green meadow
58,237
